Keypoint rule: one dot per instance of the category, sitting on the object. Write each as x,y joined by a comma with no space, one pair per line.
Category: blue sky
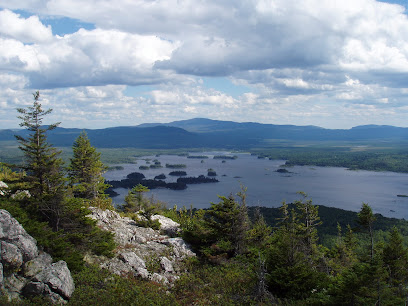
334,64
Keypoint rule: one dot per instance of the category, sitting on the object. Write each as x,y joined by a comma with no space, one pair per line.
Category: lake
329,186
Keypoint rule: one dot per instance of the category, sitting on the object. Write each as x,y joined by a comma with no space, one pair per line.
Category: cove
329,186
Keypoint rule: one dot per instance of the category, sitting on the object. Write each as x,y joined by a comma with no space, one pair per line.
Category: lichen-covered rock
27,246
58,279
166,265
156,277
180,247
1,275
3,188
9,227
24,271
13,285
167,225
142,251
36,265
11,256
21,194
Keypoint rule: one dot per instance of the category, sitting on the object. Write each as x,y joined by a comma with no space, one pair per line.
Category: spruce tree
42,163
293,257
86,170
366,219
395,257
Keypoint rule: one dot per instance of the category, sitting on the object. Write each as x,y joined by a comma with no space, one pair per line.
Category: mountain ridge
204,133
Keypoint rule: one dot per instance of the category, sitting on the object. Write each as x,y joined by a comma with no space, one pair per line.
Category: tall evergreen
293,257
395,257
41,159
86,170
366,219
42,163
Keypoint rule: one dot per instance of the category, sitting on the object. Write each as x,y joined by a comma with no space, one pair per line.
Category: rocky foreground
143,252
27,271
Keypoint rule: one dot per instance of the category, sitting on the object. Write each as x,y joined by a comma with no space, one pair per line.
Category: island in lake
135,178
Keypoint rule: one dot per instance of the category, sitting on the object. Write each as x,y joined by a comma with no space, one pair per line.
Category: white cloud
96,57
28,30
299,60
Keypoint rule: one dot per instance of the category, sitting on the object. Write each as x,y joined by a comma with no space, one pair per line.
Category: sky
103,63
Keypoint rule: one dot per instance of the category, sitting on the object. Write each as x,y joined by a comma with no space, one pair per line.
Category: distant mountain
291,132
206,133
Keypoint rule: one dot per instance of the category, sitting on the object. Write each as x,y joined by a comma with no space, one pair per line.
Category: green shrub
94,286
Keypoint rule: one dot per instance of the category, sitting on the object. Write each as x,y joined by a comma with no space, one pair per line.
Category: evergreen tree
42,163
86,170
395,257
342,255
366,219
260,231
293,257
134,199
228,222
309,219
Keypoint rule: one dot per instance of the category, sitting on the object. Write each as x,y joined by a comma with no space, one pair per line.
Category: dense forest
299,254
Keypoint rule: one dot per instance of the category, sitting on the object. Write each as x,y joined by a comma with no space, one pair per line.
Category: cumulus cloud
28,30
299,60
96,57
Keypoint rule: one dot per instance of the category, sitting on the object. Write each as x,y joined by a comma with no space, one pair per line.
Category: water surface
329,186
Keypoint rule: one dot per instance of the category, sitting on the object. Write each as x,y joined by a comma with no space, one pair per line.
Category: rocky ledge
27,271
144,252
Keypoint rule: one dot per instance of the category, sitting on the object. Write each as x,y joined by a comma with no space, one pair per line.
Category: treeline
366,160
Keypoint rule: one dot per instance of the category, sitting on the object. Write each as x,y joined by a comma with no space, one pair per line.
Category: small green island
225,157
176,166
211,172
178,173
282,170
113,168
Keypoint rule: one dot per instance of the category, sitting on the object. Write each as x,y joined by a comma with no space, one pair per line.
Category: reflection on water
336,187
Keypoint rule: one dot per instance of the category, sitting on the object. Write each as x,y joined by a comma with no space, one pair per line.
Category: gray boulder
57,278
11,256
36,265
21,194
168,226
3,189
24,271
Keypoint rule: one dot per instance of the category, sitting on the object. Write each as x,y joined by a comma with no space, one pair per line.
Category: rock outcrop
27,271
3,188
142,251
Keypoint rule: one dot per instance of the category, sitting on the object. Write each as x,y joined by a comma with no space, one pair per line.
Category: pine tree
42,163
134,199
86,170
